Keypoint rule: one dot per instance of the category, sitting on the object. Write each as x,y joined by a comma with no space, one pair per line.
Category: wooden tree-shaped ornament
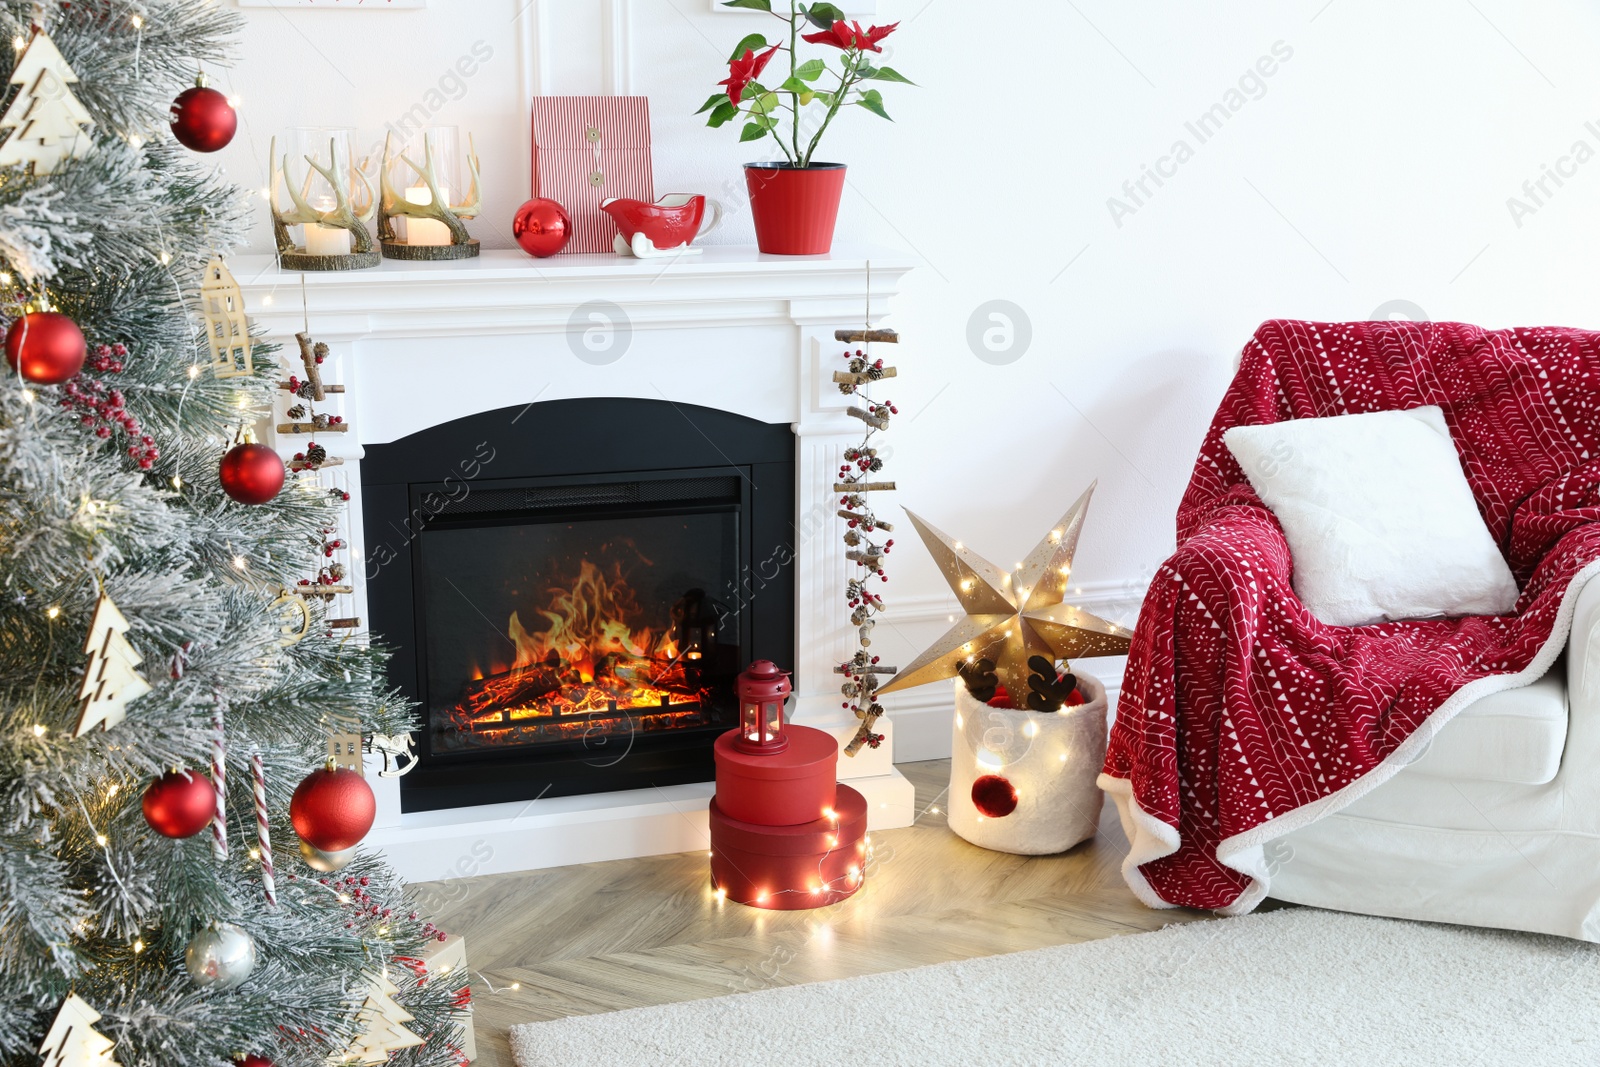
110,680
47,123
227,329
72,1040
383,1031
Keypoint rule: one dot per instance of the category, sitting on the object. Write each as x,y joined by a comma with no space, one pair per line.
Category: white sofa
1497,824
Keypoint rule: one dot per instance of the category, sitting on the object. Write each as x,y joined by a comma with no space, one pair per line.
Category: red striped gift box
587,149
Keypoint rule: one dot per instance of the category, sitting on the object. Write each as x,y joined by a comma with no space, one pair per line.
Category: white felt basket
1051,761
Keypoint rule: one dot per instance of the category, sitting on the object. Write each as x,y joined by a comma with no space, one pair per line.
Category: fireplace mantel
503,292
416,345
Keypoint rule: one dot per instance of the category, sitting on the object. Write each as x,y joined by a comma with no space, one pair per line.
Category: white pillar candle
327,240
426,231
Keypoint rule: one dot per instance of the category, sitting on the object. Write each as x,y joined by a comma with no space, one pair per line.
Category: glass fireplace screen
573,632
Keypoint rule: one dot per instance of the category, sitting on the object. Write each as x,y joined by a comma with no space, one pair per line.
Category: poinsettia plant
797,111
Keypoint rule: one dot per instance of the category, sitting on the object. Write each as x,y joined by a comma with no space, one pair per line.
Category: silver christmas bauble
221,956
326,862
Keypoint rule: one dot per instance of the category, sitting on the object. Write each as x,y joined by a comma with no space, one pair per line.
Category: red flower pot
794,207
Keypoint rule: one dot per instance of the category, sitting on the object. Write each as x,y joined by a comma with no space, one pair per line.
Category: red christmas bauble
251,473
333,809
994,796
180,804
46,347
202,119
542,227
253,1061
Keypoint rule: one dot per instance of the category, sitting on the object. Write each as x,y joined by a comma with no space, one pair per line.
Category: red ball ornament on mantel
333,808
46,347
202,118
994,796
542,227
180,804
252,473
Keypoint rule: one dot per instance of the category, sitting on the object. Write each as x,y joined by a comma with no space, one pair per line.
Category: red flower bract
850,35
742,70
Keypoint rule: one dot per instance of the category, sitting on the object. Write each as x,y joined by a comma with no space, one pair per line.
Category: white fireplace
419,345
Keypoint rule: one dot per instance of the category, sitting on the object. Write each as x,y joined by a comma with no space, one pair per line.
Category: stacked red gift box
784,834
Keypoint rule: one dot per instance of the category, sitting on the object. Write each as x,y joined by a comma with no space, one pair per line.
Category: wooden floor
628,933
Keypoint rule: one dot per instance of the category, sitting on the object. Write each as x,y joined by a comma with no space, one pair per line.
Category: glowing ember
582,671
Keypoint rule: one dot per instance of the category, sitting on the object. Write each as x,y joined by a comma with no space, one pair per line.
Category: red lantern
45,347
202,118
180,804
333,808
542,227
251,473
762,690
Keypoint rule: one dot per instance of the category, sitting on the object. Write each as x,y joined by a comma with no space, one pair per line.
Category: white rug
1298,986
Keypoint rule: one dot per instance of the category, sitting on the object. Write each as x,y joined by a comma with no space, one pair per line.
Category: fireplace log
305,465
871,559
344,624
863,487
510,689
326,388
888,337
875,668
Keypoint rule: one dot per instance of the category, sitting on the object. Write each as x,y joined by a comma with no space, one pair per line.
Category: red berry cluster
104,409
367,910
312,458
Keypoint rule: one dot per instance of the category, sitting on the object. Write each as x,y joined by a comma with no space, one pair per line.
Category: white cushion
1379,517
1516,735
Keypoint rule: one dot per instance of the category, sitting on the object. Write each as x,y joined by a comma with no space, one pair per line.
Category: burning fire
589,659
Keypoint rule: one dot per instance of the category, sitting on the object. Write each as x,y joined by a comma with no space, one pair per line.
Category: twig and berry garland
306,418
858,477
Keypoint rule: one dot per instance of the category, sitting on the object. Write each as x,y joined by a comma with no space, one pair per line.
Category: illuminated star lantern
1012,616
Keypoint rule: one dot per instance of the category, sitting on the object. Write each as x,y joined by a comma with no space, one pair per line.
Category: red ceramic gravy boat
666,227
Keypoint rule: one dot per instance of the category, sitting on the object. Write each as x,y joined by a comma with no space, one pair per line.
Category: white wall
1375,165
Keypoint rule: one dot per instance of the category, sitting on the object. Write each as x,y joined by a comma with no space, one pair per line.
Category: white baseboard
555,832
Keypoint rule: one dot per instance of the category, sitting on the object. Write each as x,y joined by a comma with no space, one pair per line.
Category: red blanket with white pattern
1241,716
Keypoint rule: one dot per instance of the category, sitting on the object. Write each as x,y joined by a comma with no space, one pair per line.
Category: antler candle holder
334,204
432,227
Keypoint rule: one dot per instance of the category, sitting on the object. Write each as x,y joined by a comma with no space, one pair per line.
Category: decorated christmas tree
155,719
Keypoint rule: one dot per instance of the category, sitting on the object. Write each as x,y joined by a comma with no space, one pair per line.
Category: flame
582,670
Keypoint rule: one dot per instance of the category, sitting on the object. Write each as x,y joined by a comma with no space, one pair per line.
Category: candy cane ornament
258,781
219,779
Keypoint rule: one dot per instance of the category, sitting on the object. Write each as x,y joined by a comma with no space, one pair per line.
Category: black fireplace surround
570,588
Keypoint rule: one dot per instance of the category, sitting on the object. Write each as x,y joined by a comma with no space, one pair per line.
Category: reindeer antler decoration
344,214
438,208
